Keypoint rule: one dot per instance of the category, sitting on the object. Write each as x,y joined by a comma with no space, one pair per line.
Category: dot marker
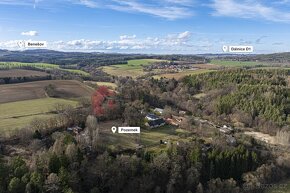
114,129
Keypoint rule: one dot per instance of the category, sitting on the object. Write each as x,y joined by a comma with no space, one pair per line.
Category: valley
199,112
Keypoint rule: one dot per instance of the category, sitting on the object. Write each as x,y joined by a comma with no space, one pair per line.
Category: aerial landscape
171,107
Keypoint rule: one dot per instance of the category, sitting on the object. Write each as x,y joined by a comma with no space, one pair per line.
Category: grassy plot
229,63
13,124
180,75
152,137
19,114
75,71
107,84
149,137
115,140
133,68
11,65
20,64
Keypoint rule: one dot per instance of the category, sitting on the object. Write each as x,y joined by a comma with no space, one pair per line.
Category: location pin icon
21,44
114,129
225,48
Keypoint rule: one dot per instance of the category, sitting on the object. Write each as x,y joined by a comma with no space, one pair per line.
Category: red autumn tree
103,98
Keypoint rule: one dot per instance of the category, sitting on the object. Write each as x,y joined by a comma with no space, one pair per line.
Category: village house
158,110
151,117
155,123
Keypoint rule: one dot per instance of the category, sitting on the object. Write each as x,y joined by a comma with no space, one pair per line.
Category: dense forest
261,95
187,167
248,98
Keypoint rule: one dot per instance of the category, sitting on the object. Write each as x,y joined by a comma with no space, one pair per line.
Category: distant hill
84,59
65,58
273,58
104,59
276,57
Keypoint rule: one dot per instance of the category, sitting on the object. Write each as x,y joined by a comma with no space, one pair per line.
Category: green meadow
133,68
12,65
16,115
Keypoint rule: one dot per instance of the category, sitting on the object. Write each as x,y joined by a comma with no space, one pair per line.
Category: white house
158,110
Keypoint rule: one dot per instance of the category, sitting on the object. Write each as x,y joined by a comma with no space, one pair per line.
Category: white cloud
139,47
182,42
17,2
282,2
89,3
126,37
249,9
171,12
36,3
181,2
29,33
184,35
168,9
174,42
12,44
274,10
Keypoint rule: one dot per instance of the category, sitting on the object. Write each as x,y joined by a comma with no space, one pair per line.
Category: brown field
20,73
206,66
35,90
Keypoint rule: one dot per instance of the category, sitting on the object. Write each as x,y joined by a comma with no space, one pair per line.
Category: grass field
21,103
149,137
12,65
19,114
75,71
152,137
228,63
181,74
133,68
107,84
36,90
21,73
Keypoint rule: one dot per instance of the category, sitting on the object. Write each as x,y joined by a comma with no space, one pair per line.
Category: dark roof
156,122
152,116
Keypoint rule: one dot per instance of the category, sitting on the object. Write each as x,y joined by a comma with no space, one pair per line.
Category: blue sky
151,26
